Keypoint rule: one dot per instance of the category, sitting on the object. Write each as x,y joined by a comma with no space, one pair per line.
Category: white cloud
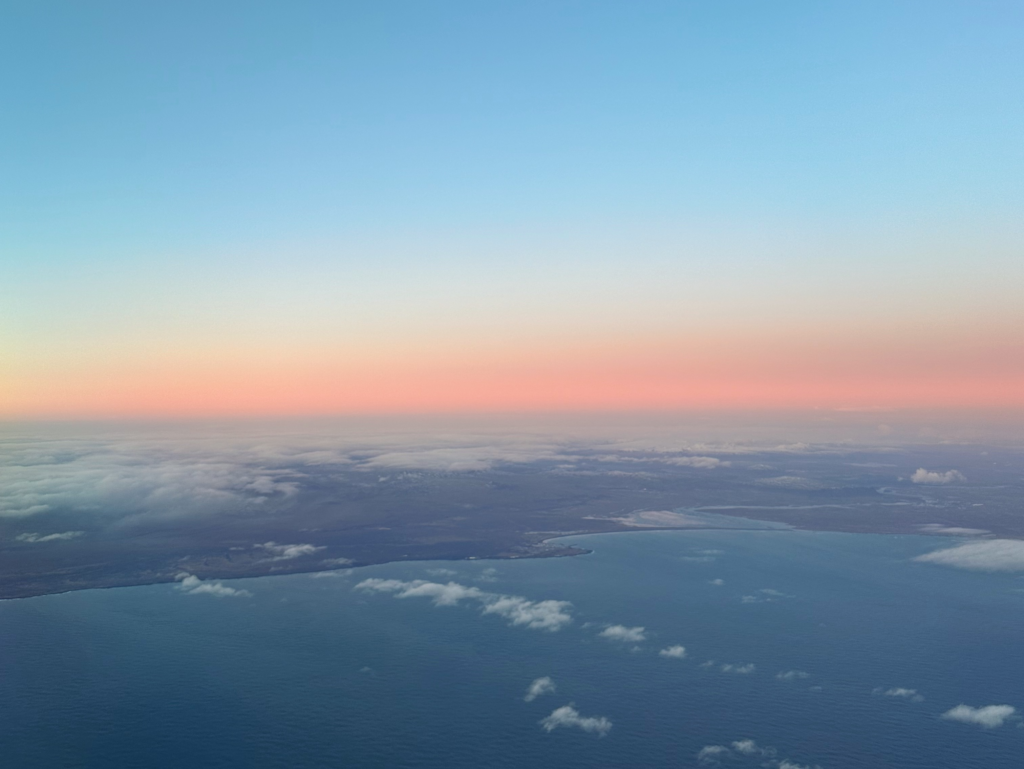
624,634
539,688
191,584
988,717
952,531
736,668
288,552
567,716
787,764
535,615
34,537
718,582
792,675
751,748
712,754
704,463
675,652
985,555
924,476
899,691
442,572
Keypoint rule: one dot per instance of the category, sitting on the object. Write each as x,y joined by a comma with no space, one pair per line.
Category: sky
254,208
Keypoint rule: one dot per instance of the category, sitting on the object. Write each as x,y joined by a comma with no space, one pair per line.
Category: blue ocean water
309,672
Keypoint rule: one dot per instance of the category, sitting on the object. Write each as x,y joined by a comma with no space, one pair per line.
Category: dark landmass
305,516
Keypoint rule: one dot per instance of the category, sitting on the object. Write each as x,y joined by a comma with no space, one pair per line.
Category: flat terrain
82,514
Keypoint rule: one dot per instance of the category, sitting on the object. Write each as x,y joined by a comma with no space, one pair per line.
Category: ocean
799,649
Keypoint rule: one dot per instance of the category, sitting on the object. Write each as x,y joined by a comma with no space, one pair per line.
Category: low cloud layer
520,612
986,555
192,585
539,688
925,476
988,717
567,716
624,634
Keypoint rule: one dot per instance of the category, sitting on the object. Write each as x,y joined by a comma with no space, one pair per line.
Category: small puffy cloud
442,572
719,582
988,717
712,754
673,652
192,585
567,716
952,531
624,634
288,552
925,476
31,536
751,748
985,555
535,615
787,764
539,688
741,669
899,691
792,675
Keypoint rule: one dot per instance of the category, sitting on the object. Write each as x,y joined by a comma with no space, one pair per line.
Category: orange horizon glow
823,371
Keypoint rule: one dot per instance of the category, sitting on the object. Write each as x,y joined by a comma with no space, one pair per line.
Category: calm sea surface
308,672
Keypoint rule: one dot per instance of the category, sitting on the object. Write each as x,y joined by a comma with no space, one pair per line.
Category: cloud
539,688
792,675
34,537
520,612
787,764
952,531
718,582
674,652
988,717
288,552
924,476
567,716
899,691
736,668
624,634
712,754
536,615
751,748
442,572
191,584
986,555
704,463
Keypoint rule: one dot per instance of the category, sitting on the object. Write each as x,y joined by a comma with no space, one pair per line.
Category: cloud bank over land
567,716
925,476
988,717
985,555
550,616
192,585
539,688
